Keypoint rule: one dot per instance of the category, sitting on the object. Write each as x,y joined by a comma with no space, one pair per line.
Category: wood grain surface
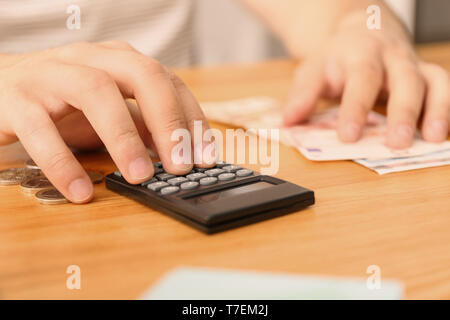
399,222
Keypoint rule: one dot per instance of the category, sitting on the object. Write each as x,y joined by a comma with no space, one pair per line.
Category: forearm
8,59
4,58
305,26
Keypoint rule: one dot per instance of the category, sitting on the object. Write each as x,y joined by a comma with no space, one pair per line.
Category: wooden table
399,222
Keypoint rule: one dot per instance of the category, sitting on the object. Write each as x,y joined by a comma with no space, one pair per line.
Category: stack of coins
15,176
33,185
33,182
30,164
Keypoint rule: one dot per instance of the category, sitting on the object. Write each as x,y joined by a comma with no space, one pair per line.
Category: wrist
8,59
391,28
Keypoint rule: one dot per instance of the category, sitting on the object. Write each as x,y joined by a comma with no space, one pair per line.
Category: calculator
215,199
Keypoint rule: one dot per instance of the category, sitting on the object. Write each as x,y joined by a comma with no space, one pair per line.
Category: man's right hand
47,96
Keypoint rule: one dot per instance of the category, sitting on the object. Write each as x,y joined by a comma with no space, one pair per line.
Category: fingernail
140,168
401,136
436,130
351,132
81,190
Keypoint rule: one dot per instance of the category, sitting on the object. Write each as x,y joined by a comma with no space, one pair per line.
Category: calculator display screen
236,191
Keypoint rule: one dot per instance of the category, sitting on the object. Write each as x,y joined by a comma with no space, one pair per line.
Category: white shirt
162,29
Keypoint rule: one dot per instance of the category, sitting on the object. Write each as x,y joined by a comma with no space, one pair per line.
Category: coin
35,184
30,164
96,177
50,196
14,176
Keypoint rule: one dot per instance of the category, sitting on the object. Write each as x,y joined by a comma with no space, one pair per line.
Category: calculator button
227,176
221,164
164,176
200,169
196,176
244,173
157,164
231,168
208,181
177,181
152,180
214,172
189,185
170,190
118,174
156,186
158,170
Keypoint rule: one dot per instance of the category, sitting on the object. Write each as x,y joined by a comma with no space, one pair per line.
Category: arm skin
342,58
305,26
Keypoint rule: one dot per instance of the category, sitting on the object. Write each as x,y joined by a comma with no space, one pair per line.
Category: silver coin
30,164
35,184
50,196
96,177
15,176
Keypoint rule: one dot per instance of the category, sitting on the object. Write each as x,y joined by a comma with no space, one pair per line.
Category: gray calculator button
157,164
227,176
177,181
196,176
158,170
214,172
208,181
200,169
170,190
164,176
221,164
152,180
231,168
244,173
156,186
118,174
189,185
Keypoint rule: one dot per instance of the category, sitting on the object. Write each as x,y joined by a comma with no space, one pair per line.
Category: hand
360,65
75,95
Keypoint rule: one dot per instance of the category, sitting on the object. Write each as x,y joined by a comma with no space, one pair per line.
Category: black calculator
216,199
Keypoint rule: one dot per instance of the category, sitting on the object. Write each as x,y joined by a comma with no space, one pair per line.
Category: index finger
307,86
149,83
363,84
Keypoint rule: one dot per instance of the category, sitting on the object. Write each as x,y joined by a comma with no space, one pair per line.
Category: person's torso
161,29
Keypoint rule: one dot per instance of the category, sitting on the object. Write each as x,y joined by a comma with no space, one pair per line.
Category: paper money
250,113
384,166
317,138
